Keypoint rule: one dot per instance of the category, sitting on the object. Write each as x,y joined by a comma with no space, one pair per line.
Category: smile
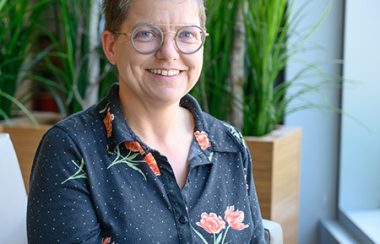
164,72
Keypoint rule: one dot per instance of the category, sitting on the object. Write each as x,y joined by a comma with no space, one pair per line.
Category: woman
146,165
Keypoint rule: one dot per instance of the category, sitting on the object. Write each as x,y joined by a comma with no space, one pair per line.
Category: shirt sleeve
59,203
258,233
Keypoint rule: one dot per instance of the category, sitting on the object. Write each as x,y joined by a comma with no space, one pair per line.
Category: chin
170,97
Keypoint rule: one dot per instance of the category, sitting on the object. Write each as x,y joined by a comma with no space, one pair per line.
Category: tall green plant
71,64
268,27
213,90
267,30
263,101
18,23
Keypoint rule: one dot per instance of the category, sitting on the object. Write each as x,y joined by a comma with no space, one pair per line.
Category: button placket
183,219
176,199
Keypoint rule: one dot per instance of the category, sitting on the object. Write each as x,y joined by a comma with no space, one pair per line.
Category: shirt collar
222,136
111,114
118,131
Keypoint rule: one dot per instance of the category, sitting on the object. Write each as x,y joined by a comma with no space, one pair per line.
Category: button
182,220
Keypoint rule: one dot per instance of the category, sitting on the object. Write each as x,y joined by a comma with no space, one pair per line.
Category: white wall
360,155
320,145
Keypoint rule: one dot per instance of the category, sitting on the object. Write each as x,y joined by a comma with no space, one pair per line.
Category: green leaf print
79,174
129,160
236,134
199,235
219,238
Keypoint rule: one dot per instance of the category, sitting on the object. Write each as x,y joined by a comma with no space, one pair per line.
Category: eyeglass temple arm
121,33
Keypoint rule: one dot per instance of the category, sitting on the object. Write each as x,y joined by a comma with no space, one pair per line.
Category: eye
186,35
145,35
189,35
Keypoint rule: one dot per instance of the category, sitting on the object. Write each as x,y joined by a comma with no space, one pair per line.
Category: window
359,194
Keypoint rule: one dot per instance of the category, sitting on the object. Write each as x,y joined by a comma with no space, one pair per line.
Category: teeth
164,72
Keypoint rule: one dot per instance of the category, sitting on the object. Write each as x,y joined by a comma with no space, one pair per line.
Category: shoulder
79,126
81,120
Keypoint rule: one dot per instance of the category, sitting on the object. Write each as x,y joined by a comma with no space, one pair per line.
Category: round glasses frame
204,34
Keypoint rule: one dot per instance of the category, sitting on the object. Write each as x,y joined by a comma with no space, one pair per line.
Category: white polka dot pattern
92,182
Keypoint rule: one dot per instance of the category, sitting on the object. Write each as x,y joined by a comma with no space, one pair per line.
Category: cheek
197,66
130,64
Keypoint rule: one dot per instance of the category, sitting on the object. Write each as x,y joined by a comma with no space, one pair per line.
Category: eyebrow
163,25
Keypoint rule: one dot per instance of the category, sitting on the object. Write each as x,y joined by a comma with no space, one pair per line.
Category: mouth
165,72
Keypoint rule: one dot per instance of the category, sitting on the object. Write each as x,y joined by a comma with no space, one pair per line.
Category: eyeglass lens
149,38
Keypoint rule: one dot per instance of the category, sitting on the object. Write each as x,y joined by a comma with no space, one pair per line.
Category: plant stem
225,234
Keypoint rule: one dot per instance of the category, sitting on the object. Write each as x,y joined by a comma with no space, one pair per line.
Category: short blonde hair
116,12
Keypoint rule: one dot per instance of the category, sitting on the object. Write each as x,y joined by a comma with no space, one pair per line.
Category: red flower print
234,218
108,123
134,146
211,223
202,139
149,159
106,240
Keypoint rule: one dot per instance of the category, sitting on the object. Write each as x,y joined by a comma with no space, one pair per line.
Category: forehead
163,12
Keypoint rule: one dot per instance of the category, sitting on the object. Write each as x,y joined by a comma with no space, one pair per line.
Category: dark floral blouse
94,181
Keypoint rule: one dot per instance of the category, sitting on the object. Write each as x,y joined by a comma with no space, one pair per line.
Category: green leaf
219,238
199,235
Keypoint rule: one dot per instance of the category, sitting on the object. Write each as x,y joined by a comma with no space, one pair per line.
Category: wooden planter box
26,138
276,167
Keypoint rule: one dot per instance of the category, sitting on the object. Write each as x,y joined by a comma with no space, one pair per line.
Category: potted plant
69,68
276,150
19,20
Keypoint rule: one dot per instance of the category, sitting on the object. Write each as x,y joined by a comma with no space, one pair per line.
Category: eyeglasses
148,38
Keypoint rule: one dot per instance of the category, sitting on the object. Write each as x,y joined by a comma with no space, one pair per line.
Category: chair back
13,196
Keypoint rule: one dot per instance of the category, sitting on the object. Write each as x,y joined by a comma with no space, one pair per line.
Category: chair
13,196
273,232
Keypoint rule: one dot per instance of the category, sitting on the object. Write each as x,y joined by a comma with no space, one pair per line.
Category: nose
168,50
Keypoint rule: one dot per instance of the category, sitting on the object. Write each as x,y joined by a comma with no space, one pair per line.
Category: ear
108,43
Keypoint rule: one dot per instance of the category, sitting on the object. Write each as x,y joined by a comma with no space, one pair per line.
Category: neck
156,123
